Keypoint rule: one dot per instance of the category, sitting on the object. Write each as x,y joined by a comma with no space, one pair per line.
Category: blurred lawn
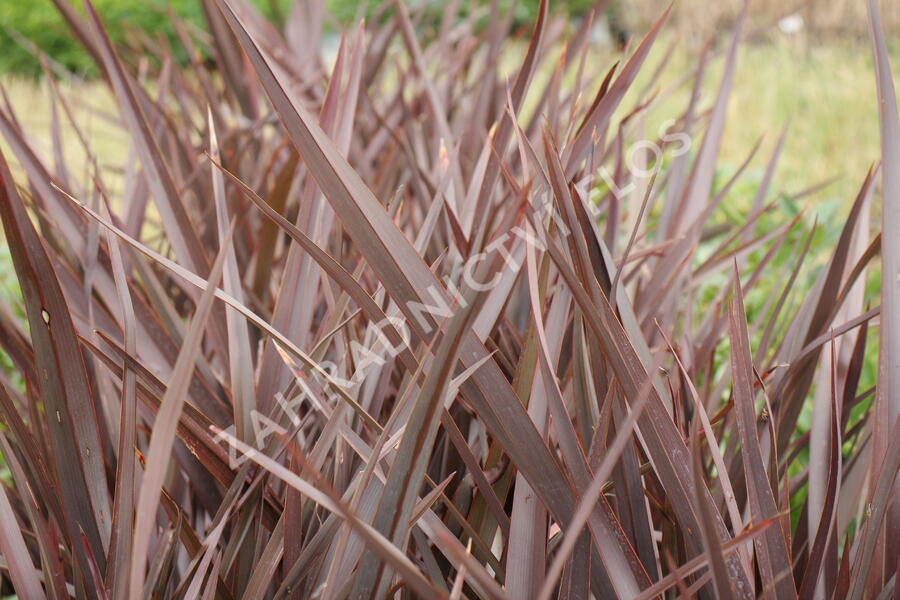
824,93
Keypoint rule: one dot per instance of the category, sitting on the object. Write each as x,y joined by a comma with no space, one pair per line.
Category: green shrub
39,22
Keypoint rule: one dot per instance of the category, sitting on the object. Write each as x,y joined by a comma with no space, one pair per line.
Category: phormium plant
401,325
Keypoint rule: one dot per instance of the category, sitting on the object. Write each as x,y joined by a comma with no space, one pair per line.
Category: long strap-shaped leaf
123,504
772,551
240,353
164,427
887,402
71,418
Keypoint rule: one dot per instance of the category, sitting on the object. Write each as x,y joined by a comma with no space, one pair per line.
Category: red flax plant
404,326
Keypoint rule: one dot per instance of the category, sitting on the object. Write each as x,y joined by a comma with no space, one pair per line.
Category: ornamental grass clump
406,324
